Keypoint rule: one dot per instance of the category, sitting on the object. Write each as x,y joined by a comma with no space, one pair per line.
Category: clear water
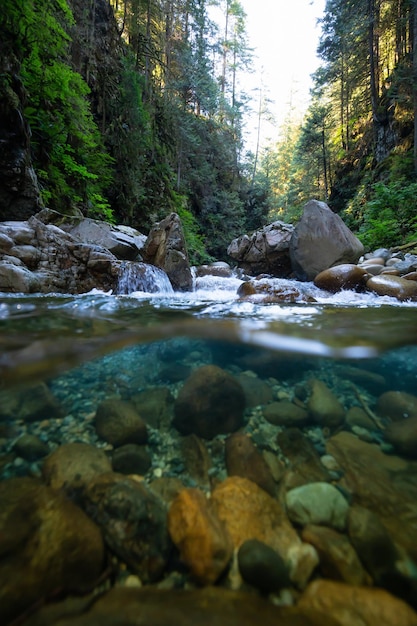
98,345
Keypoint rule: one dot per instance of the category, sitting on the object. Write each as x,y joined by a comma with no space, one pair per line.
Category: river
90,348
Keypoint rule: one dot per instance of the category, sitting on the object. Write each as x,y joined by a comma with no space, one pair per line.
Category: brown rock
30,447
119,423
30,404
133,521
285,413
155,406
305,465
165,247
167,488
345,276
356,416
131,459
394,286
73,465
403,436
323,405
387,485
338,559
46,544
373,543
244,459
196,459
211,402
201,538
267,291
357,606
397,405
205,607
250,513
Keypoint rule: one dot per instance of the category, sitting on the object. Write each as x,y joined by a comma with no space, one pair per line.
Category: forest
135,108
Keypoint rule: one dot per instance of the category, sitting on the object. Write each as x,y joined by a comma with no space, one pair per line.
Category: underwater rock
133,521
385,484
394,286
73,465
205,607
262,567
256,390
356,606
338,558
201,538
373,544
321,240
397,405
305,464
196,459
250,513
155,406
119,423
211,402
403,436
30,404
285,413
30,447
356,416
131,459
47,544
317,503
323,405
244,459
345,276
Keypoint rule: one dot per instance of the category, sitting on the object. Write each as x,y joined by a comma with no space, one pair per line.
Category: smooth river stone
323,405
317,503
403,436
397,405
394,286
345,276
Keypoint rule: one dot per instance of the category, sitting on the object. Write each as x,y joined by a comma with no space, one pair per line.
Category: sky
284,35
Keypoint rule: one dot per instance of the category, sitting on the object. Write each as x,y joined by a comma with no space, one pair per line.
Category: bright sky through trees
284,35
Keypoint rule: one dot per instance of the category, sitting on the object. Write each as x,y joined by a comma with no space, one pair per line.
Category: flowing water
92,347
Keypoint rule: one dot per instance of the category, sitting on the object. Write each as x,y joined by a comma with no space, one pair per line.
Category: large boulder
265,251
321,240
165,247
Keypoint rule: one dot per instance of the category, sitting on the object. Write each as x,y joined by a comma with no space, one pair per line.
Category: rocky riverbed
177,479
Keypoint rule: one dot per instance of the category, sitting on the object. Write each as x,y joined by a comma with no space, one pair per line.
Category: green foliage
390,215
194,239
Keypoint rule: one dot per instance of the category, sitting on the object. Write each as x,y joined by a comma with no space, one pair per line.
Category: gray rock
265,251
317,503
165,248
122,241
321,240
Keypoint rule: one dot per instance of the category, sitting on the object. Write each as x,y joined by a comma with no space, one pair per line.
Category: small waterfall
142,277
